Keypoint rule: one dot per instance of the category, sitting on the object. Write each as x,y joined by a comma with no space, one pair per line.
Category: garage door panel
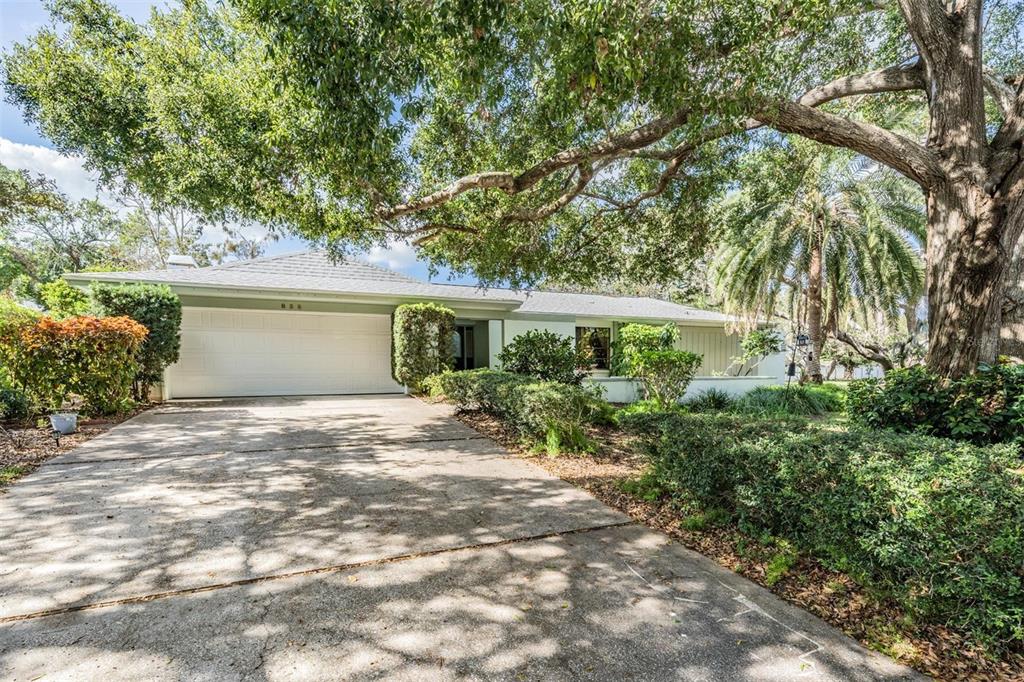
234,352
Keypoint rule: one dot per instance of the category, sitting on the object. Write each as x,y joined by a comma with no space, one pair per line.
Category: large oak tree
531,138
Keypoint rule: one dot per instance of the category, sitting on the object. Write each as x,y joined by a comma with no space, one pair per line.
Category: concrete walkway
363,538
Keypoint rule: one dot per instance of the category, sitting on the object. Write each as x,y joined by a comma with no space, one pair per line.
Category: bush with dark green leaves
555,414
545,356
665,374
15,403
550,413
156,308
421,342
935,524
985,407
475,389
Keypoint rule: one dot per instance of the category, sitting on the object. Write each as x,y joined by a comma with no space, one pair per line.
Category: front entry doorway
463,343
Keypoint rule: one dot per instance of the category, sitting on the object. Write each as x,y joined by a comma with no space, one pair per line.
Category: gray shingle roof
314,271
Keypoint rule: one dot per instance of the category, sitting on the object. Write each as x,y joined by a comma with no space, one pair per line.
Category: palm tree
821,233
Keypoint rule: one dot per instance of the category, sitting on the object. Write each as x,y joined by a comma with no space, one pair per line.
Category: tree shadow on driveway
389,554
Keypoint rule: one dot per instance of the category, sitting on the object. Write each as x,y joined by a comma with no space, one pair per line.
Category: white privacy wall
622,390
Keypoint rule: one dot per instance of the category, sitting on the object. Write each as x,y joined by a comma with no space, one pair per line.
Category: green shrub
665,374
636,410
91,357
158,309
63,300
545,356
985,407
13,315
421,342
633,339
475,389
546,412
937,525
14,403
911,399
791,400
710,400
554,413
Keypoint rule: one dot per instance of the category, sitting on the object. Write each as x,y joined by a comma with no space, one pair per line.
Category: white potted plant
64,420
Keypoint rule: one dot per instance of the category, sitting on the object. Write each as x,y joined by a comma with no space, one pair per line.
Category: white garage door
251,353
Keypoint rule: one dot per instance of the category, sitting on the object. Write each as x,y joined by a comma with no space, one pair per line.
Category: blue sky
21,145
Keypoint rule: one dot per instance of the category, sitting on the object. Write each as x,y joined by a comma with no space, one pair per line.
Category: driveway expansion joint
321,570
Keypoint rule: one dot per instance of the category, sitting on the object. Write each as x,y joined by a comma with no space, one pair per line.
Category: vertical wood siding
717,347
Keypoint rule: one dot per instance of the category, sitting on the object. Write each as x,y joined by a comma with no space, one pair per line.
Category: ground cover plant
985,407
816,400
934,524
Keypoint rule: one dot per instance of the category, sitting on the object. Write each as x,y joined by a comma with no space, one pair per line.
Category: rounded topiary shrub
421,342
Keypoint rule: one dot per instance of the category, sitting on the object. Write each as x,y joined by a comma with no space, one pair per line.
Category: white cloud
67,171
397,256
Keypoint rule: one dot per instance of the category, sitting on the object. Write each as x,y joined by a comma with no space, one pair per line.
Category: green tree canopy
521,139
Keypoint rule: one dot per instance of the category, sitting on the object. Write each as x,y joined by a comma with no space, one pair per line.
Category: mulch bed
25,444
832,596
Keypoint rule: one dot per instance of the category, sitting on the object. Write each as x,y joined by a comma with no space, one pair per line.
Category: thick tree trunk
815,309
1011,336
965,271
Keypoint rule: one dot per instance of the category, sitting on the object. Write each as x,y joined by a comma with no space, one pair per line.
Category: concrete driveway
363,538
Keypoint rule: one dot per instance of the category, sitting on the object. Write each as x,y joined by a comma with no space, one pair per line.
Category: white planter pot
64,423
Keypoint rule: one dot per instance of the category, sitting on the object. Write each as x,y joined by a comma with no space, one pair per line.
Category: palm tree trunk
815,308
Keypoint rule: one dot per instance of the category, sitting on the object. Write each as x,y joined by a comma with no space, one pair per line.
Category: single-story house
302,324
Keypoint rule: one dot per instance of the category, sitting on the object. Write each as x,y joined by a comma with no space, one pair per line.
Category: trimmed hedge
421,342
985,407
14,401
937,525
548,412
475,389
158,309
92,357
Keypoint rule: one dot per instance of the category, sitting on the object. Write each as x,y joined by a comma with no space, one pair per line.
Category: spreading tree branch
868,351
800,117
899,153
